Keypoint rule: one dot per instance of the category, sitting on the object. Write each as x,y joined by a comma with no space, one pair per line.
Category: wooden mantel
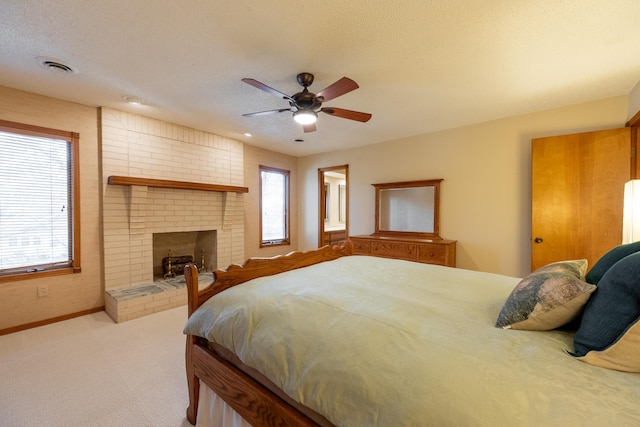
180,185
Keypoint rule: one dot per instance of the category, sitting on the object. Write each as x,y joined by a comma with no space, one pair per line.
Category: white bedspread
377,342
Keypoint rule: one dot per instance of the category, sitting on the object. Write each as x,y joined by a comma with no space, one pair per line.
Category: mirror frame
435,183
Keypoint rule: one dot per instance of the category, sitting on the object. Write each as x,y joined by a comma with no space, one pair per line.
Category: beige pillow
622,355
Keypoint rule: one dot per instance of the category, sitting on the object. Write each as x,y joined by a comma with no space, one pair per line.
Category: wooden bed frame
253,401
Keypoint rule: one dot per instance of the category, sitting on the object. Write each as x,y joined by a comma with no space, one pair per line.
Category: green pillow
610,258
609,334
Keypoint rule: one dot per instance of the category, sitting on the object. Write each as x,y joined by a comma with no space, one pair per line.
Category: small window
39,201
274,206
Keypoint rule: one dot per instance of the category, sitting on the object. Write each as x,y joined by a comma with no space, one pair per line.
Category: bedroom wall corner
634,101
72,293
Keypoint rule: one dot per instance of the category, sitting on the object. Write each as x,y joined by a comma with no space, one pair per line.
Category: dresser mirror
409,208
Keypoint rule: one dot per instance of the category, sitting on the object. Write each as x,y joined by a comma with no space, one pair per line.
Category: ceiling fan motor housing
305,79
305,100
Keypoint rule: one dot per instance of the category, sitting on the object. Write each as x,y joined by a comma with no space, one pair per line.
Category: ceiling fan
306,105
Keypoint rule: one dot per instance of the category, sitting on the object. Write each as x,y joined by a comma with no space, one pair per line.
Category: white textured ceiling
422,65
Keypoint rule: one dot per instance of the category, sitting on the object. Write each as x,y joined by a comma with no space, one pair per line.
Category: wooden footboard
254,402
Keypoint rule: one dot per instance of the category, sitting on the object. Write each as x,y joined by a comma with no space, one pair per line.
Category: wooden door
577,194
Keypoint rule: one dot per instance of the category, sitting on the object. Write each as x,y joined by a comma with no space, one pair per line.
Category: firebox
172,251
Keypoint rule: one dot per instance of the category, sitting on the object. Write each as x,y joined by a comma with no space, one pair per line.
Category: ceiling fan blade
347,114
266,88
309,128
342,86
259,113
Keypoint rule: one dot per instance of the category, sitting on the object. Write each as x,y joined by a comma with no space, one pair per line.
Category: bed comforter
369,341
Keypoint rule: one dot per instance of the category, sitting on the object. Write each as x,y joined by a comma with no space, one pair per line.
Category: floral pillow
548,298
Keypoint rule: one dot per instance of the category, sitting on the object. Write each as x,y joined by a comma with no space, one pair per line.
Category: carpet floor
90,371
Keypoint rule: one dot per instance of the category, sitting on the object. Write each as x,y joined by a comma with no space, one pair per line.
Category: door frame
322,198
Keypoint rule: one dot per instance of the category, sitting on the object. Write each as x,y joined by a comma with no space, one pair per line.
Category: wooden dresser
428,251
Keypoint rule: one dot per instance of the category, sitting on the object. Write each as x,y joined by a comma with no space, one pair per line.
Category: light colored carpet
90,371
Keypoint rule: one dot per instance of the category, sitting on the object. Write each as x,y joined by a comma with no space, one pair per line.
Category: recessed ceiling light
55,65
298,140
133,100
249,134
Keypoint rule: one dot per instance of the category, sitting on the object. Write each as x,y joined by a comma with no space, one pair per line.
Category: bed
327,338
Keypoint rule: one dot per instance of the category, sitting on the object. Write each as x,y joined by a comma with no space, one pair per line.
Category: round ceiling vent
56,65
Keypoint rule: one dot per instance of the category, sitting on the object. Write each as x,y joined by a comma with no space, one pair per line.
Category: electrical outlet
43,291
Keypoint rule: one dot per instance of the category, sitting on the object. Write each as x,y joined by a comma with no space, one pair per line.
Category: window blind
36,203
274,204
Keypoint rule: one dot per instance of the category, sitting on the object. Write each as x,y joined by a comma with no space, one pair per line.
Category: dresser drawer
336,237
427,251
361,247
432,254
401,250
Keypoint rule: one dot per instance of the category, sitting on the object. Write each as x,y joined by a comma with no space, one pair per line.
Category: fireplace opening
172,251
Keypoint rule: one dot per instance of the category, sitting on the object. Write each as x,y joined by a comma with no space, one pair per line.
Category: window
274,206
39,201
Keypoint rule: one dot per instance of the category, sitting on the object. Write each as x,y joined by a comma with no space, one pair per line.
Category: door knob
538,240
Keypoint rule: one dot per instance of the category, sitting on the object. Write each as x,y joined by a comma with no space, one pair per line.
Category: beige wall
71,293
634,101
485,195
253,158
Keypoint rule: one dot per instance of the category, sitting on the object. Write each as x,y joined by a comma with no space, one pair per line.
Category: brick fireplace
144,155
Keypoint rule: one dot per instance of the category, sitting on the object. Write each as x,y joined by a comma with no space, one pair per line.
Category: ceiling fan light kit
305,117
305,105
